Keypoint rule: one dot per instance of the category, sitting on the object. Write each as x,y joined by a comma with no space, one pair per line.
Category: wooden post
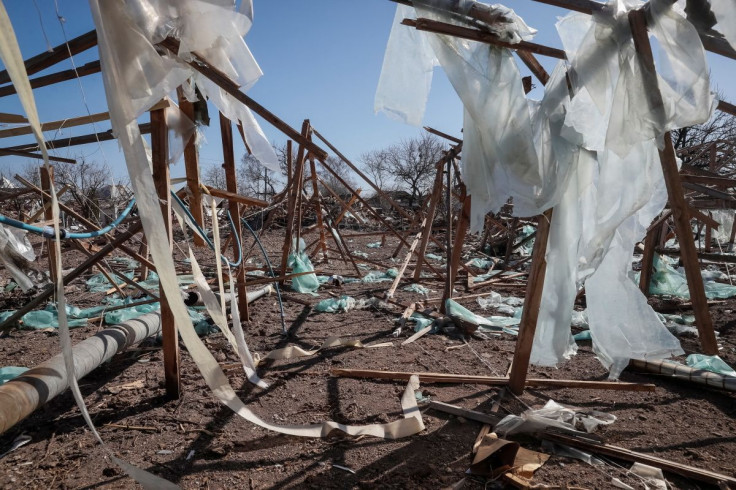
433,201
708,235
293,194
191,165
228,155
47,177
678,205
647,261
532,301
457,248
143,252
448,236
169,332
318,209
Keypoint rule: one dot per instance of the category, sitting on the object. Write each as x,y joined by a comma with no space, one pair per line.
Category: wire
193,224
270,269
48,231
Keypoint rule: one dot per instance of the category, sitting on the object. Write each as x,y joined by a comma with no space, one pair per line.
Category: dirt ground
198,443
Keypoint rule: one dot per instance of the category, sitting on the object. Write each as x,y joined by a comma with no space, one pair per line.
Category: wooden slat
37,156
83,71
56,54
231,196
161,177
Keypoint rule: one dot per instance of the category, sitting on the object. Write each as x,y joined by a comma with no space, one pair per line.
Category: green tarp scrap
713,364
417,288
481,263
374,245
335,305
99,283
668,281
359,254
9,372
494,324
307,283
376,276
434,257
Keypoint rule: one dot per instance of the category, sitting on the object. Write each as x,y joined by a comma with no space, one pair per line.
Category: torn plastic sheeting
389,275
598,221
491,301
308,283
570,452
552,415
726,17
668,281
417,288
457,312
374,245
434,257
335,305
481,263
713,364
10,372
16,254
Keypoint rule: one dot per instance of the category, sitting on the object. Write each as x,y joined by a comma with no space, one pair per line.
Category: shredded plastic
10,372
335,305
668,281
713,364
552,415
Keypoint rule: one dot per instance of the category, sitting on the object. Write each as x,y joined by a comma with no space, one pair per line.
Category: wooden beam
457,247
47,180
56,54
37,156
436,132
434,199
68,123
61,76
678,205
161,177
532,302
232,196
492,380
402,269
191,166
228,154
86,139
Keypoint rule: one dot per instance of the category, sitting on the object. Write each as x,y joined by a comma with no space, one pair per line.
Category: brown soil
198,443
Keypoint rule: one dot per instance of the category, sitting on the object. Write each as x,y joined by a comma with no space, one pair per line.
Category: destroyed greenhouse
209,282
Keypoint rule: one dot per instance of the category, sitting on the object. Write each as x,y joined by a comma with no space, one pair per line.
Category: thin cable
270,269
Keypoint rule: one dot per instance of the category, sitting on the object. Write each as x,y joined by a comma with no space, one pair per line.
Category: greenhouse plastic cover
725,11
668,281
577,154
15,249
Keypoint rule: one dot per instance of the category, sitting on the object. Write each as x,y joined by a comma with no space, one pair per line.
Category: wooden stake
226,131
433,201
532,301
191,165
169,332
47,177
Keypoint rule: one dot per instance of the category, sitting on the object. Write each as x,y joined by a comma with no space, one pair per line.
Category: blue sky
321,60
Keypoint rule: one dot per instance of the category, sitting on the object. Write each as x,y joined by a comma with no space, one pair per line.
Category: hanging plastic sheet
725,11
725,217
406,76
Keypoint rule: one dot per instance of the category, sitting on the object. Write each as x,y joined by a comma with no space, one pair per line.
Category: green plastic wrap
491,324
308,283
713,364
9,372
417,288
333,305
374,245
668,281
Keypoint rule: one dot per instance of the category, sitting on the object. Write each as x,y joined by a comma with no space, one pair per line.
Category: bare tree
91,187
411,163
342,169
256,180
214,176
375,164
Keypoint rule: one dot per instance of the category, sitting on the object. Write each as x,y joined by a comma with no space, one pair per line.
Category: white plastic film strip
211,371
11,57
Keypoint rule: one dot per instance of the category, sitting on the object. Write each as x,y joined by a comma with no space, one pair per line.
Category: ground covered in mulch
198,443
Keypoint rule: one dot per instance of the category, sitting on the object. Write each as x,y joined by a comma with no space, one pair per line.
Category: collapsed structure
606,115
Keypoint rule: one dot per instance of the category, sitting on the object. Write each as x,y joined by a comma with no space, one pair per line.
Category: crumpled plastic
492,324
552,415
713,364
668,281
726,16
335,305
213,29
376,276
299,262
16,254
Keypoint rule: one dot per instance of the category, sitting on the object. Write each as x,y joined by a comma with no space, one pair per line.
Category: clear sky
321,60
